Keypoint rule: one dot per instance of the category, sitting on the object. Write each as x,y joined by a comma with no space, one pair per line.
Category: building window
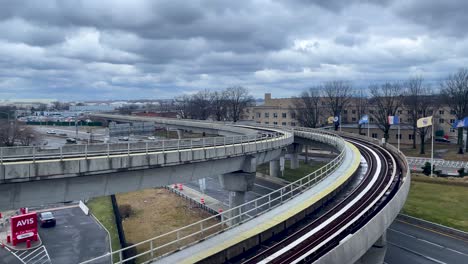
353,111
452,112
275,123
283,115
266,123
441,120
452,130
258,122
345,111
371,119
410,136
293,115
259,115
253,117
452,121
441,112
374,135
400,112
267,115
283,123
353,119
293,123
371,111
275,115
396,136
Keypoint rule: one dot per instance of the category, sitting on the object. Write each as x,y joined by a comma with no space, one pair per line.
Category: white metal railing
439,163
88,150
193,233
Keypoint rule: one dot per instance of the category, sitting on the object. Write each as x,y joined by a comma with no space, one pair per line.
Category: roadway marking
417,253
433,231
429,242
264,187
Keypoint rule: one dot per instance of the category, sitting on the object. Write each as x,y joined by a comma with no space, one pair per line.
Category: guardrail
438,162
201,230
109,149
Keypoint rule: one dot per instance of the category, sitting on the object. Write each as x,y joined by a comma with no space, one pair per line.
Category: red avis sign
23,227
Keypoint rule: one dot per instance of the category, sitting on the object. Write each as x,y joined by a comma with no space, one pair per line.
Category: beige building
281,111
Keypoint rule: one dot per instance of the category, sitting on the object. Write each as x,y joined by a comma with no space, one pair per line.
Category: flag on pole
460,123
364,120
393,120
330,120
424,122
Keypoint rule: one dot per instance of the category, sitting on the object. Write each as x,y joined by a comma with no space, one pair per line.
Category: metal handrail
243,212
88,150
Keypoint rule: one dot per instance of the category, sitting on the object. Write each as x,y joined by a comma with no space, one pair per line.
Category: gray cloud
146,49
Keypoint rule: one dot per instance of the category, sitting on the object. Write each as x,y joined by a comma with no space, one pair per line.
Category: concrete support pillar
237,183
275,168
375,254
294,151
179,133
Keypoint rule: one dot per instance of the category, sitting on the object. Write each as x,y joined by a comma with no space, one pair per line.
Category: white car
151,138
51,132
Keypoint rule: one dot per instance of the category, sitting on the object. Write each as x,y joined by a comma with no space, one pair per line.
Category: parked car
151,138
46,219
444,140
51,132
123,138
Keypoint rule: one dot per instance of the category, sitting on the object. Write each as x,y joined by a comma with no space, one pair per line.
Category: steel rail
314,239
326,215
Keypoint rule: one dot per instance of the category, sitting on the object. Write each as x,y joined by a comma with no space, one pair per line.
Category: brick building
281,111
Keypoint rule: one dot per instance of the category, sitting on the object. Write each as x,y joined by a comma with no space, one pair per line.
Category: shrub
125,210
426,168
461,172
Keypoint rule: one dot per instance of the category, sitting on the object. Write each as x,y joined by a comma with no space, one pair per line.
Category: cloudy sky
108,49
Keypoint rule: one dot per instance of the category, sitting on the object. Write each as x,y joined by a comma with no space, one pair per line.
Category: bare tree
306,107
413,101
386,99
219,106
238,98
337,95
455,93
13,133
202,103
184,106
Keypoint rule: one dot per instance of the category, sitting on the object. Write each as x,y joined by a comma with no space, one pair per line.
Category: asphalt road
411,244
76,238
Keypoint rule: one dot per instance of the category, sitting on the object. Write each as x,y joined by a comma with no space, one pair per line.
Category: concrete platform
271,219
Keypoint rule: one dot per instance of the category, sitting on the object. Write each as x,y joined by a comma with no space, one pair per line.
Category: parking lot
75,238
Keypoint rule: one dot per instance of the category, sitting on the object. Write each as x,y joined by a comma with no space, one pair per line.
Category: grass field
441,150
293,175
156,212
101,208
443,201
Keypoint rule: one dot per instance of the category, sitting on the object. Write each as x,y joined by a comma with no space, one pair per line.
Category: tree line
228,104
379,101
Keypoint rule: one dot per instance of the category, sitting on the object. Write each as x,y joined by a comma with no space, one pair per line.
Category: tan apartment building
281,111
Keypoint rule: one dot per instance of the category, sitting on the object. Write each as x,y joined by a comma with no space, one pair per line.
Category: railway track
314,239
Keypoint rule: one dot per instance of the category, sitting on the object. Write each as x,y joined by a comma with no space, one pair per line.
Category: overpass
87,171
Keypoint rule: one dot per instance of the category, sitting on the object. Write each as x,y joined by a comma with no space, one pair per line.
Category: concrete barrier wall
15,172
354,247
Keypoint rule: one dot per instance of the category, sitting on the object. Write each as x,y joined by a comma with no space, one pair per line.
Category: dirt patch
156,212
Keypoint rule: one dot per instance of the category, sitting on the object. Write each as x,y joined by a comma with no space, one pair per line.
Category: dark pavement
408,244
76,238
